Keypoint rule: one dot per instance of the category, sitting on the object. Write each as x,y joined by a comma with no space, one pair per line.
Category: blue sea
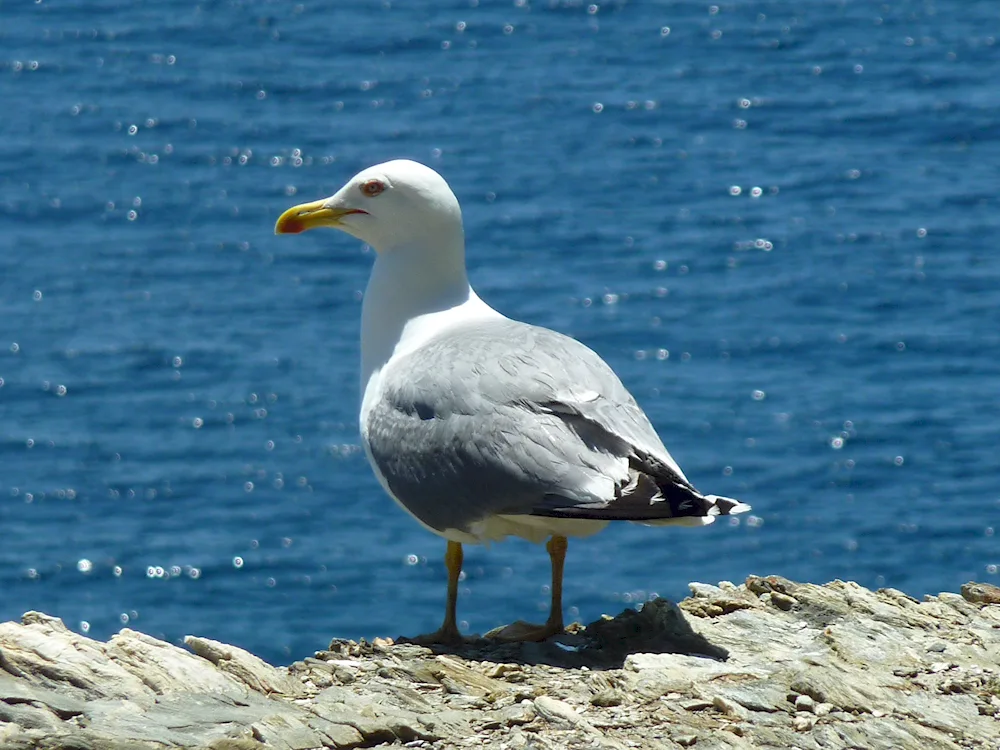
777,221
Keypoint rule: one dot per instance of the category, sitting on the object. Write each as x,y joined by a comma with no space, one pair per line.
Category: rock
730,707
803,723
713,601
658,674
252,671
559,712
758,695
44,653
783,601
338,735
517,714
805,703
608,698
696,705
460,679
981,593
770,663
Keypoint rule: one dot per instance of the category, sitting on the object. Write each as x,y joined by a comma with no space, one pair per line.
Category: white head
389,206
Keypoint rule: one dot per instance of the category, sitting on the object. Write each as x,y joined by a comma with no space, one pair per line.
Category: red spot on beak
292,226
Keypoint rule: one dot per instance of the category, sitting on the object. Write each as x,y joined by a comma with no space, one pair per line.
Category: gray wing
507,418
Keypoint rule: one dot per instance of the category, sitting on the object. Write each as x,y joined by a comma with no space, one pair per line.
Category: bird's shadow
658,628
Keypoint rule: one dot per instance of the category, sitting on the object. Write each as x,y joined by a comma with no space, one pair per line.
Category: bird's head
391,205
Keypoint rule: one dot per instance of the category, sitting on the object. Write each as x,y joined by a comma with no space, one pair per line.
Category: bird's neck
409,289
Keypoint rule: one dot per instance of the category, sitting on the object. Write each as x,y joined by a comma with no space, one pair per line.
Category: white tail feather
726,506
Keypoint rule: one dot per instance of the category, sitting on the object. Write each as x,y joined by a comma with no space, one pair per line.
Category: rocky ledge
767,664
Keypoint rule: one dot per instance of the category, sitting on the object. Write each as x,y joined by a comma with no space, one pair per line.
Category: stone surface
767,664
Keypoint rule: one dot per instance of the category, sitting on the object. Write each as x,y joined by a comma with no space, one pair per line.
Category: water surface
775,221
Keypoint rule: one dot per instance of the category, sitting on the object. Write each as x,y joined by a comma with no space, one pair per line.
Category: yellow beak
307,216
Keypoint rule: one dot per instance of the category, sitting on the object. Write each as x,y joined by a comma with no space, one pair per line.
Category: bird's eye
371,188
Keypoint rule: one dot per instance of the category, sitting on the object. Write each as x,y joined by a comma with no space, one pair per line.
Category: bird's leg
453,558
524,631
448,632
556,547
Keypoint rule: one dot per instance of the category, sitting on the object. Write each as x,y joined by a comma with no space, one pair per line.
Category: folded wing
503,418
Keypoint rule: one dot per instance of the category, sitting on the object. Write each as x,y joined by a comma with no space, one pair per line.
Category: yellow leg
556,547
453,557
448,632
524,631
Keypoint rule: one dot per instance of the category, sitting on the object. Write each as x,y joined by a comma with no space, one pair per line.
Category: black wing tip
683,503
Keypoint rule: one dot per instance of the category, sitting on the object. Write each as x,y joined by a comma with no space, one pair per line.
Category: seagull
480,426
